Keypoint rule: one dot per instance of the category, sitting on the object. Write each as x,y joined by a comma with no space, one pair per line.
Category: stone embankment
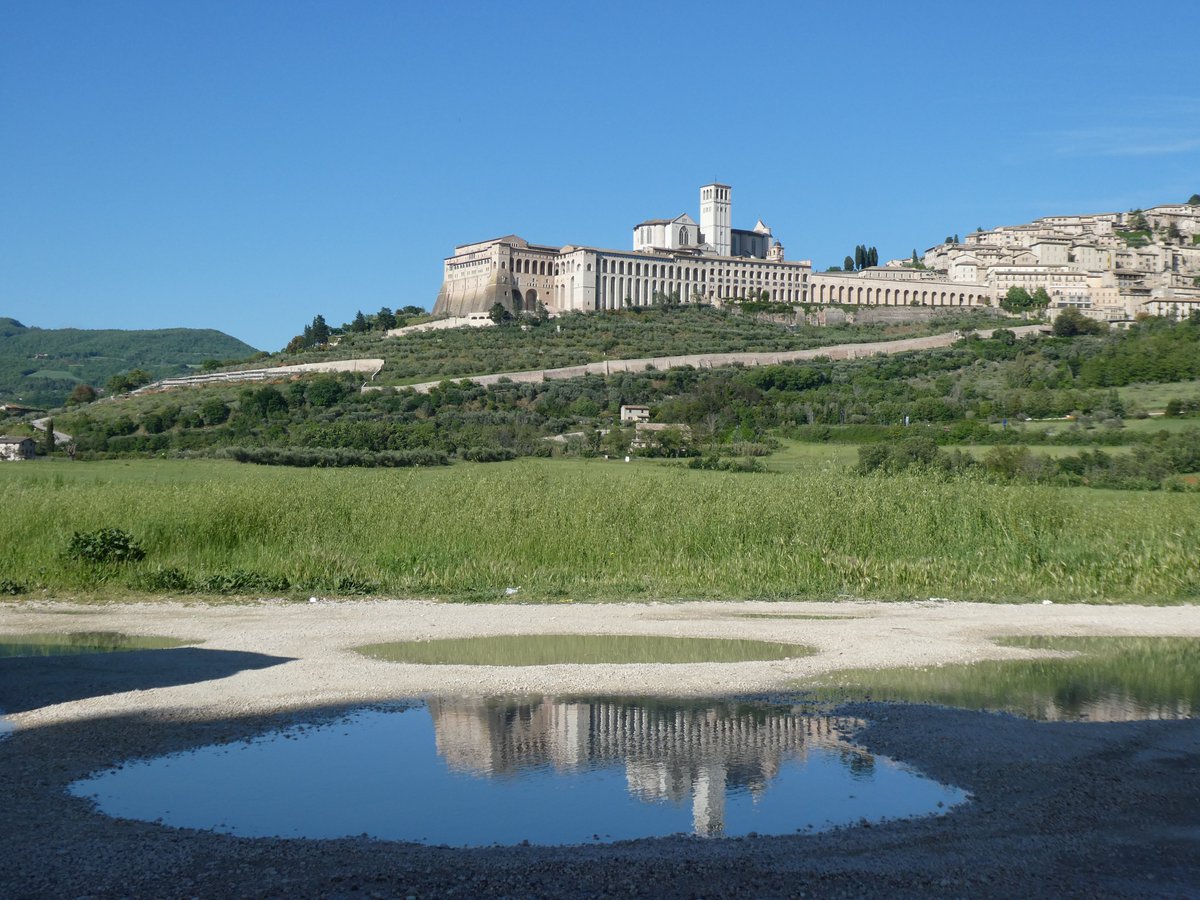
369,367
719,360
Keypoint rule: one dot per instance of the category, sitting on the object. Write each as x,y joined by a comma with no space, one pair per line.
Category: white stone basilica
674,259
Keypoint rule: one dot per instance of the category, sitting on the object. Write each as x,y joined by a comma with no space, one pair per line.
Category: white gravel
1061,809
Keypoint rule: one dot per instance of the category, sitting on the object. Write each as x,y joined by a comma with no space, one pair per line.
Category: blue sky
246,165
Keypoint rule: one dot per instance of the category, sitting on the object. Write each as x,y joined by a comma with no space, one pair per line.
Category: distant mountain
41,366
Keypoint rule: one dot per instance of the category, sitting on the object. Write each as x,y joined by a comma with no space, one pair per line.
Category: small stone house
635,414
16,448
648,434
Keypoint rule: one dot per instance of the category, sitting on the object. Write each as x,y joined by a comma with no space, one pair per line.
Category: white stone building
673,259
679,260
13,449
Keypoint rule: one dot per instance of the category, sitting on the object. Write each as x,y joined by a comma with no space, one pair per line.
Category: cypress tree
320,330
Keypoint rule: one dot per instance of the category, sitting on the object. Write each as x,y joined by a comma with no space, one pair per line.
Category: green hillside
41,366
578,338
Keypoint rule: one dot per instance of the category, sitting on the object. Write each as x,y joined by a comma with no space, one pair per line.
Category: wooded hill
41,366
978,392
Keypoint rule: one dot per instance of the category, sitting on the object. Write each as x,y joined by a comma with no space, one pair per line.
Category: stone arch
531,300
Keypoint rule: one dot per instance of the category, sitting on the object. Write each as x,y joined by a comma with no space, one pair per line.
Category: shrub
334,458
107,545
486,454
717,464
11,588
163,579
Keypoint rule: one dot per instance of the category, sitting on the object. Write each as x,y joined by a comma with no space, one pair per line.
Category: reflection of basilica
670,751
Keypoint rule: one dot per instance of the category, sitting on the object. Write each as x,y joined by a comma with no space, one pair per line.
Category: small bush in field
106,545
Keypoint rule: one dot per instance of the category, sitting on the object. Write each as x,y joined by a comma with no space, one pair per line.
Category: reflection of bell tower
715,217
708,800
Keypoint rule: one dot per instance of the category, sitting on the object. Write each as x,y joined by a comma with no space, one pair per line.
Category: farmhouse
13,449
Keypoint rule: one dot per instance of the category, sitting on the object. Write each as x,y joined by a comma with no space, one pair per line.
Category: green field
592,530
797,456
1154,397
1151,425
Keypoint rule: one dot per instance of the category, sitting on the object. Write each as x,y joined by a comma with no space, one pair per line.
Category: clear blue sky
246,165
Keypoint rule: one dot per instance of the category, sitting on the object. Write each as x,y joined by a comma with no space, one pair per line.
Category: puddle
552,649
812,617
79,642
546,771
1112,679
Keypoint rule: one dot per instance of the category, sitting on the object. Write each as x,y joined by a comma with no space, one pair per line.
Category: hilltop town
1108,266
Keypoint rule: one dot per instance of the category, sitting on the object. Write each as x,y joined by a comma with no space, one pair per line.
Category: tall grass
596,530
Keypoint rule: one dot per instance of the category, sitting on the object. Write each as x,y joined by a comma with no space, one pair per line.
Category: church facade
677,259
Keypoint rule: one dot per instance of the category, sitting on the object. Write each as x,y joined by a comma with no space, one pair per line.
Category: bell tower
715,219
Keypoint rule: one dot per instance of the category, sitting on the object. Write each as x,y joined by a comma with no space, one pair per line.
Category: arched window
683,236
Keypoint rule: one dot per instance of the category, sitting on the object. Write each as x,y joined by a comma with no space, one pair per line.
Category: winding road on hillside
719,360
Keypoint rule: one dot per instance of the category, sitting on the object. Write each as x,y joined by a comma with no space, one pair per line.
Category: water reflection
580,649
546,770
80,642
1106,679
676,753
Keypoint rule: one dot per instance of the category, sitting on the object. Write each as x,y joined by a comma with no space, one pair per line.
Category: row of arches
531,266
615,290
892,296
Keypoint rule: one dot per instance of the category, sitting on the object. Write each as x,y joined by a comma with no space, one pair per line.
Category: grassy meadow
592,530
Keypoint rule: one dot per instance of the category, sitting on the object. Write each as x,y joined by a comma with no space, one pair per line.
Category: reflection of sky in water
482,772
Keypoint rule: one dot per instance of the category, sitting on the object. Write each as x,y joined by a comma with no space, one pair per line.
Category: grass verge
593,530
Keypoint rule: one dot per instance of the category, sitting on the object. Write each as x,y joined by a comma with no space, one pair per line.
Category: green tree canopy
125,382
83,393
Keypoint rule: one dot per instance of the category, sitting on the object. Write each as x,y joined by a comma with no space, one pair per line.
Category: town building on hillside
1110,266
682,260
631,413
673,260
13,449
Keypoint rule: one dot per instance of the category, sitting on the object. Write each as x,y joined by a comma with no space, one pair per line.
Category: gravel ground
1060,809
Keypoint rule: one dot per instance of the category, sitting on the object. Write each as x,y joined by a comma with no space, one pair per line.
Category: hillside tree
83,393
320,331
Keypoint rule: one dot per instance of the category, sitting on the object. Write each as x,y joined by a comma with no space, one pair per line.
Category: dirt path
369,367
